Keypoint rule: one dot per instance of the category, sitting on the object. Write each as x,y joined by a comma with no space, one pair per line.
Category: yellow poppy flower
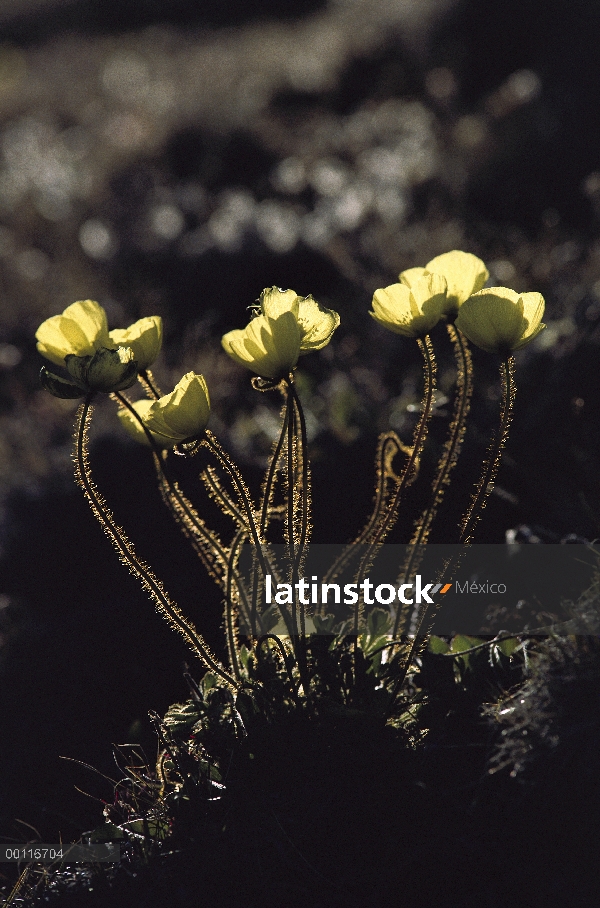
177,416
81,330
144,337
317,323
500,320
411,310
465,274
287,327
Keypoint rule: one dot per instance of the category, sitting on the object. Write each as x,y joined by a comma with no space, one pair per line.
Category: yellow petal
132,426
268,346
58,337
90,317
429,293
494,320
411,312
274,302
465,274
282,338
317,324
533,311
184,412
144,337
234,346
411,275
80,330
391,308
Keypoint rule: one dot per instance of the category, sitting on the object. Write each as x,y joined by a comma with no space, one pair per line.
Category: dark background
176,158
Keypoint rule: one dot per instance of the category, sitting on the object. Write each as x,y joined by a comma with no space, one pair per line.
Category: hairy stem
232,471
494,454
269,483
149,385
206,544
447,462
230,609
127,554
268,490
420,434
476,505
305,488
388,446
304,499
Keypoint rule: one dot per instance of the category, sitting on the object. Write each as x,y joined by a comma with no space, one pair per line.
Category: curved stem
297,639
477,503
420,434
383,474
213,486
147,381
126,551
205,543
291,510
494,453
232,471
305,519
230,468
268,488
426,348
447,462
271,473
232,642
304,524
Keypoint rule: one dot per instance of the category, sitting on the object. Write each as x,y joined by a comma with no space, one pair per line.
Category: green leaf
208,682
324,624
60,387
245,655
507,647
437,645
378,622
270,618
461,642
106,833
181,716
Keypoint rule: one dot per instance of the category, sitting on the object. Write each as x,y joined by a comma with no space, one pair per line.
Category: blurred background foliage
174,158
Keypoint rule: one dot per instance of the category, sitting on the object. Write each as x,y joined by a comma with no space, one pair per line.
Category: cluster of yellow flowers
284,327
97,359
496,319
